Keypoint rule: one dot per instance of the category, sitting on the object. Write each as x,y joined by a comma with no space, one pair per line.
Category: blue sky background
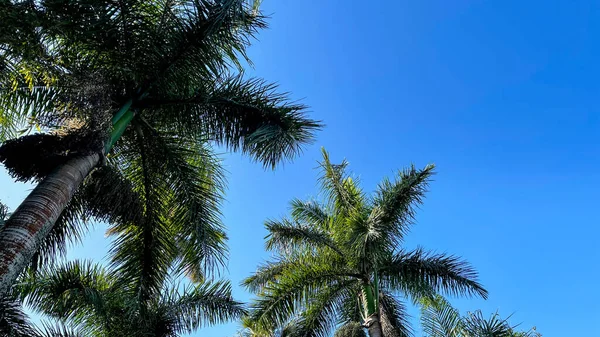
501,95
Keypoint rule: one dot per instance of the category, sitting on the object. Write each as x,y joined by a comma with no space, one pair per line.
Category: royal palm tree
95,300
440,319
340,262
139,88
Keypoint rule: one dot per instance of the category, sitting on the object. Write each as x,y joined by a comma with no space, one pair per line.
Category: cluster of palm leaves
339,262
129,97
151,86
440,319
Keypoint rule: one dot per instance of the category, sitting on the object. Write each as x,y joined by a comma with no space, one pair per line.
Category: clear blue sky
501,95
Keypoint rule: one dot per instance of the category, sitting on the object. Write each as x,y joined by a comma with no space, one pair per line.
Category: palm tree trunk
34,218
374,326
29,225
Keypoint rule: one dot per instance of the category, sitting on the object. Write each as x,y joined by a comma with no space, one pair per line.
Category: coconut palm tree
440,319
135,87
340,262
99,302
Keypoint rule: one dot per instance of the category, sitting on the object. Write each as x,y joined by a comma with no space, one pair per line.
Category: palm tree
440,319
95,300
340,263
138,88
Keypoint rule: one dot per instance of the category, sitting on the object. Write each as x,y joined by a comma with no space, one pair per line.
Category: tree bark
374,326
34,218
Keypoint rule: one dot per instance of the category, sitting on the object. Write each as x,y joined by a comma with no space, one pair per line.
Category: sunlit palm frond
285,235
278,301
202,305
339,189
74,290
395,203
440,319
311,213
319,317
418,271
245,115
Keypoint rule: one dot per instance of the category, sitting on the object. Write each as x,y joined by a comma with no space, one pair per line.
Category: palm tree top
340,261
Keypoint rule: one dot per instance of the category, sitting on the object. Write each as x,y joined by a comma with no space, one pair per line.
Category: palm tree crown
151,86
86,297
340,262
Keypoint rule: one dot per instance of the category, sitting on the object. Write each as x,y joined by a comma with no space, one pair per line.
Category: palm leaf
418,272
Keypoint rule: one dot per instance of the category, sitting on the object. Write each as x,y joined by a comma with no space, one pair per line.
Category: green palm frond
285,236
202,305
418,271
265,274
311,213
196,182
393,316
245,115
74,290
440,319
477,325
57,329
319,317
340,190
277,301
352,307
23,109
395,202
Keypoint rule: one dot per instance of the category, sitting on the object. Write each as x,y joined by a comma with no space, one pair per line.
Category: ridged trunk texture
374,326
34,218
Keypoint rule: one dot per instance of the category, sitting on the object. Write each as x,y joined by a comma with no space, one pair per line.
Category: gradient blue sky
501,95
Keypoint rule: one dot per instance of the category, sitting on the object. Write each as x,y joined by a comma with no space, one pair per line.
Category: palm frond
340,190
477,325
352,308
278,301
285,235
202,305
22,109
393,316
73,290
319,316
265,274
243,115
311,213
57,329
440,319
395,202
417,272
195,182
